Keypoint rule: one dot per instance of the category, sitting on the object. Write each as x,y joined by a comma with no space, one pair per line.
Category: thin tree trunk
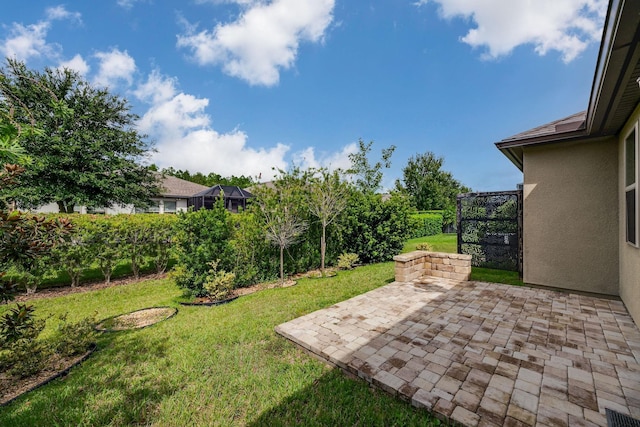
63,207
323,247
281,265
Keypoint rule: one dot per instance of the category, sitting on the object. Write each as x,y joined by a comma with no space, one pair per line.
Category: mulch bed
137,319
12,388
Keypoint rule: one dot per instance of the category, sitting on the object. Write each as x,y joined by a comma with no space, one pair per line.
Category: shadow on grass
337,400
112,387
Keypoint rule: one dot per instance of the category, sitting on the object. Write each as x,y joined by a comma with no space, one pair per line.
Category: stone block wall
416,264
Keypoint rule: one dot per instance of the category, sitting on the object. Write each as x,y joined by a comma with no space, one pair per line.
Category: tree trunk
323,247
63,207
281,265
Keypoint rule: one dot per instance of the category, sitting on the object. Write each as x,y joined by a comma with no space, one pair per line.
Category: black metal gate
490,229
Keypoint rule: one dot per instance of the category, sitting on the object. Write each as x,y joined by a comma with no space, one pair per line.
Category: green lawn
439,243
210,366
448,243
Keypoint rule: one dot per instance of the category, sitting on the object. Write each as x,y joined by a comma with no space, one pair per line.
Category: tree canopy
368,177
428,186
210,179
86,151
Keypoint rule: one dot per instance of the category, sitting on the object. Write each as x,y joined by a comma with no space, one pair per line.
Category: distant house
235,198
581,216
174,195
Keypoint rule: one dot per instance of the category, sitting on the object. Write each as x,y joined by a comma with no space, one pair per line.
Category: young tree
87,151
368,178
279,209
328,196
428,186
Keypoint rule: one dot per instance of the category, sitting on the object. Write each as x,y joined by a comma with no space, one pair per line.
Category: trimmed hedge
105,241
425,224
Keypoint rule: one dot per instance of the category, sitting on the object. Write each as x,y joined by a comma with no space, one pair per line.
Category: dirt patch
88,287
262,286
11,388
137,319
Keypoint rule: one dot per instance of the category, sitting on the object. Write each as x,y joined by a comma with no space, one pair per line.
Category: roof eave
614,79
514,149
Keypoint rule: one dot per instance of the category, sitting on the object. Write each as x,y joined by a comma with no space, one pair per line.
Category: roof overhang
615,92
514,149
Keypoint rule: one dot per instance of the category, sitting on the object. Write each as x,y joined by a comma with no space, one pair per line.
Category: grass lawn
448,243
210,366
439,243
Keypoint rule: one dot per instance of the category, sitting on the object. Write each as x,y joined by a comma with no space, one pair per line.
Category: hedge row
425,224
372,229
106,241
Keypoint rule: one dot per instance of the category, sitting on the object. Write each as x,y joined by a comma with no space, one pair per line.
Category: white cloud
185,139
29,41
77,63
25,42
128,4
263,40
114,67
307,158
567,26
59,12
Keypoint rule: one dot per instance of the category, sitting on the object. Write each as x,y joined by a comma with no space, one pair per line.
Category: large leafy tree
428,186
87,152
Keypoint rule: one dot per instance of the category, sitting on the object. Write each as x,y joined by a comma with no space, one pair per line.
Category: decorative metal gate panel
490,229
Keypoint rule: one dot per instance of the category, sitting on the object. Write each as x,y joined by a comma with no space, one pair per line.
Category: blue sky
241,86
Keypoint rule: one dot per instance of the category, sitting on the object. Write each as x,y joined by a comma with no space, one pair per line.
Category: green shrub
374,229
73,254
201,237
426,224
346,261
424,247
21,353
19,323
104,241
218,283
24,357
73,338
255,259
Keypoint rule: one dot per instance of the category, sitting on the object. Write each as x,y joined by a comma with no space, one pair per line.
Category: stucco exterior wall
629,255
570,221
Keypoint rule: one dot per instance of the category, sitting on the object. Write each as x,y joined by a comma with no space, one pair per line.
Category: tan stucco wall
629,255
570,219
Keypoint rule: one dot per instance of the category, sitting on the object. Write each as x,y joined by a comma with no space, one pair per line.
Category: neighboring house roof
266,184
230,192
614,93
176,187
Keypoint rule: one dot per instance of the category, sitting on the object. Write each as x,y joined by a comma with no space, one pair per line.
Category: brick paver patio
484,354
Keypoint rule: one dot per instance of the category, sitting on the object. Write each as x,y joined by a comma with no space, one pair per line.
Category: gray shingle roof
568,124
176,187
